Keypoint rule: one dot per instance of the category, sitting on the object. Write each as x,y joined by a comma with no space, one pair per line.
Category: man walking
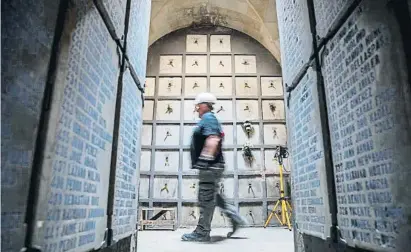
207,157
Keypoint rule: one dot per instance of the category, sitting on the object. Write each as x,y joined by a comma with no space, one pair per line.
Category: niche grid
166,177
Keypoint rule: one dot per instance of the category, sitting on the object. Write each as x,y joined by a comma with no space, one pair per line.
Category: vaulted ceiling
256,18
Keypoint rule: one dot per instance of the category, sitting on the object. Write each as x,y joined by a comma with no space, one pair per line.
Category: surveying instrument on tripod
282,209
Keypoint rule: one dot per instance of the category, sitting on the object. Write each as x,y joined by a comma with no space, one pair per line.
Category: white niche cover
171,64
149,86
196,64
194,86
220,43
196,43
220,64
245,64
169,86
271,86
221,86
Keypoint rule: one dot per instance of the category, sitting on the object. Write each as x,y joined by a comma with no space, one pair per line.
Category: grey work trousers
208,198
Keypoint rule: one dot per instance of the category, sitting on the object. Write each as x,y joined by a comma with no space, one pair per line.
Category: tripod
283,206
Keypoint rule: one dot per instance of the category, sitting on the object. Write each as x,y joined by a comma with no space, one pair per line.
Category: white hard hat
205,98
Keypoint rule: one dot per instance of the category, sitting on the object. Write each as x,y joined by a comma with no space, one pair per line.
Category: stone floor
248,239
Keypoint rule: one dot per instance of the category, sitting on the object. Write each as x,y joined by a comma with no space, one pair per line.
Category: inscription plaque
296,46
328,12
127,172
365,87
306,149
72,204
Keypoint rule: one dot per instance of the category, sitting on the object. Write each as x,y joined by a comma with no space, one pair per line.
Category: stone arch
256,18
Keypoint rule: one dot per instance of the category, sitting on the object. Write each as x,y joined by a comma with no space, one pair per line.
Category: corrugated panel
128,160
310,193
26,38
74,185
138,36
295,37
328,13
368,100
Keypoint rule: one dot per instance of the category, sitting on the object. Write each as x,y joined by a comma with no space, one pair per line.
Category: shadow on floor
220,238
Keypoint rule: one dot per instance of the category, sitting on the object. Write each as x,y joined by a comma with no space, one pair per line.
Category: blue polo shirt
209,125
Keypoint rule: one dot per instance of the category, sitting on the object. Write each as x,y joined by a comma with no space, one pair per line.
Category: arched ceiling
256,18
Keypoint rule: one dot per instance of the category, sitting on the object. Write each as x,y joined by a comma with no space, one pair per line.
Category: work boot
236,222
235,218
196,237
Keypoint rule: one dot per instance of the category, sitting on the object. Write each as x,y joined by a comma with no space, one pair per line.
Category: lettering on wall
75,215
327,12
127,173
296,48
363,87
307,153
138,36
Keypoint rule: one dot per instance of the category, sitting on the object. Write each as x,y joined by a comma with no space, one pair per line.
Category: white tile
168,110
253,138
221,86
245,64
196,64
166,161
250,188
149,86
245,165
228,134
271,86
145,160
275,134
220,64
146,134
190,113
220,43
253,214
273,186
273,110
196,43
227,188
144,187
271,162
246,86
247,110
194,86
171,64
165,188
189,190
187,134
169,86
189,216
148,110
167,135
223,110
